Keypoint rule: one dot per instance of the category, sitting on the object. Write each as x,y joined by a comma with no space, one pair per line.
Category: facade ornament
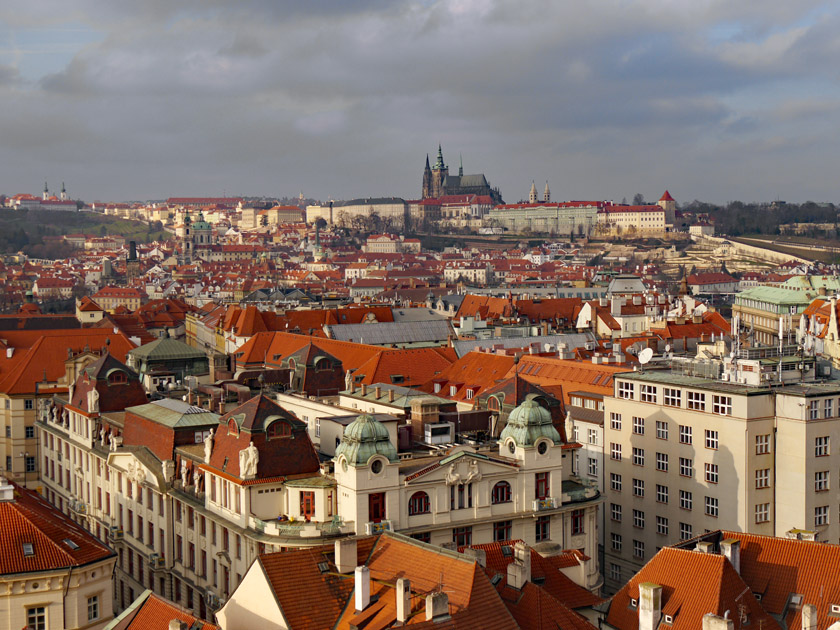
70,391
196,480
55,414
208,447
168,467
348,380
474,474
102,436
93,401
453,477
248,459
185,473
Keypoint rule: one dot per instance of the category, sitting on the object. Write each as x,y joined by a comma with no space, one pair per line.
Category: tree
638,199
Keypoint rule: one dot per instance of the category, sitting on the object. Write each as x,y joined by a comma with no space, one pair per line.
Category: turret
547,193
532,195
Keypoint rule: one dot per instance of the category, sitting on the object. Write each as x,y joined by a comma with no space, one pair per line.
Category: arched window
501,493
117,378
418,503
278,429
233,428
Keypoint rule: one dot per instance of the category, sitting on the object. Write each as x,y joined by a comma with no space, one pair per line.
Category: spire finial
461,167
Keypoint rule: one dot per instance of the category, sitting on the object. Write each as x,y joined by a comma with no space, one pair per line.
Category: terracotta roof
152,612
666,196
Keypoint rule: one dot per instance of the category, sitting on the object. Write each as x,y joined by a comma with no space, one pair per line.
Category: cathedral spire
461,167
532,195
427,161
439,165
547,193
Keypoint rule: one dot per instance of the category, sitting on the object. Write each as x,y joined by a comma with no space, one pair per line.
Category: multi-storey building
743,443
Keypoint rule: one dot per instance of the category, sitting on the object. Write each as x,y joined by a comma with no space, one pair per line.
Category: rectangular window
821,515
425,537
543,528
686,500
762,478
615,512
36,618
821,481
828,407
686,467
762,444
685,531
638,549
696,401
813,410
662,462
661,493
648,393
661,430
543,491
615,542
673,397
593,467
638,456
502,530
685,434
615,482
639,519
821,446
762,512
626,390
28,404
577,522
712,439
592,435
462,536
29,432
615,451
712,473
638,487
662,525
711,506
638,425
93,607
615,421
615,572
722,405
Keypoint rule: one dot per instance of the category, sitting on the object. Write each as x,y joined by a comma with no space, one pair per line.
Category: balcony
301,529
574,492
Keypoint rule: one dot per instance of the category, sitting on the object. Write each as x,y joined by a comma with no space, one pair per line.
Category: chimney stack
345,555
177,624
391,395
403,592
437,605
809,617
362,588
650,606
713,622
705,547
519,571
378,391
731,548
364,389
479,555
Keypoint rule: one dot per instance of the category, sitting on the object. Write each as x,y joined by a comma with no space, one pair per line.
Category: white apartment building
743,444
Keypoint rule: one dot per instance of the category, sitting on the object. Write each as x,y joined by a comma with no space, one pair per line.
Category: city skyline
711,101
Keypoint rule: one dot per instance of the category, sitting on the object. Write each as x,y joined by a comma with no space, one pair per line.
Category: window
762,478
93,607
615,542
638,487
615,572
593,467
821,481
425,537
615,482
712,473
686,467
470,394
722,405
685,434
762,444
615,451
638,456
278,429
638,549
638,425
542,489
685,531
542,528
577,522
29,463
712,439
686,500
821,446
502,530
28,404
638,519
814,409
661,493
615,421
576,433
696,401
648,393
662,525
828,407
711,506
662,462
762,512
661,430
626,390
418,503
821,515
673,397
29,432
36,618
615,512
592,435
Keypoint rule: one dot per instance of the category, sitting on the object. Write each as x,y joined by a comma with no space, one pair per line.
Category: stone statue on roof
93,401
248,459
208,447
348,380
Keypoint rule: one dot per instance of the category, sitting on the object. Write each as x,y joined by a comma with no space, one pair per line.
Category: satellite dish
667,347
645,355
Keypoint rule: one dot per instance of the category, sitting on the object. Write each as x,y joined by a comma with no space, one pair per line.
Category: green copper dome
364,438
528,423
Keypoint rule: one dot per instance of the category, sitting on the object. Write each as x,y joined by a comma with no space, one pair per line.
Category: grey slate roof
385,333
572,341
175,413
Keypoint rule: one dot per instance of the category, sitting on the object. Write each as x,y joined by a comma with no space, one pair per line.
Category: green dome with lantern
363,438
528,422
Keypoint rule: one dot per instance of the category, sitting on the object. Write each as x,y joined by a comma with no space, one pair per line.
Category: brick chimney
437,606
378,391
345,555
650,605
403,592
364,389
362,575
731,548
391,395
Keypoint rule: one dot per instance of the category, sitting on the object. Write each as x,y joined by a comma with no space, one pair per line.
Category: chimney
731,548
713,622
403,592
390,395
364,389
352,387
378,391
479,555
7,490
650,605
705,547
177,624
437,606
222,407
809,617
519,571
345,555
362,588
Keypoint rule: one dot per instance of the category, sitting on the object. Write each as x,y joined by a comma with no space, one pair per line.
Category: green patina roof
166,349
363,438
832,283
774,295
175,414
529,422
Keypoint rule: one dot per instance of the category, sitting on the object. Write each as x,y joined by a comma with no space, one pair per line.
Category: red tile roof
152,612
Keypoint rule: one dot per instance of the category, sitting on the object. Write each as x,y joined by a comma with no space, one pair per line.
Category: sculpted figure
208,447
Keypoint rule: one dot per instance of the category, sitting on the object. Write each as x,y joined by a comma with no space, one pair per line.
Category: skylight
70,544
28,549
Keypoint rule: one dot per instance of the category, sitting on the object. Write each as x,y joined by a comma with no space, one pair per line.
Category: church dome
363,438
528,423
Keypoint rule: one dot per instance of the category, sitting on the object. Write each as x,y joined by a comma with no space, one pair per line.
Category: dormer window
278,429
453,389
437,388
233,428
117,378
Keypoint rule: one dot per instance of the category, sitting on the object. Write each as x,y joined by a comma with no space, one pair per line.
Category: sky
712,99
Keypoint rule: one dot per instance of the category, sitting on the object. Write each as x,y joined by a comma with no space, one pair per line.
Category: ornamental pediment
461,468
